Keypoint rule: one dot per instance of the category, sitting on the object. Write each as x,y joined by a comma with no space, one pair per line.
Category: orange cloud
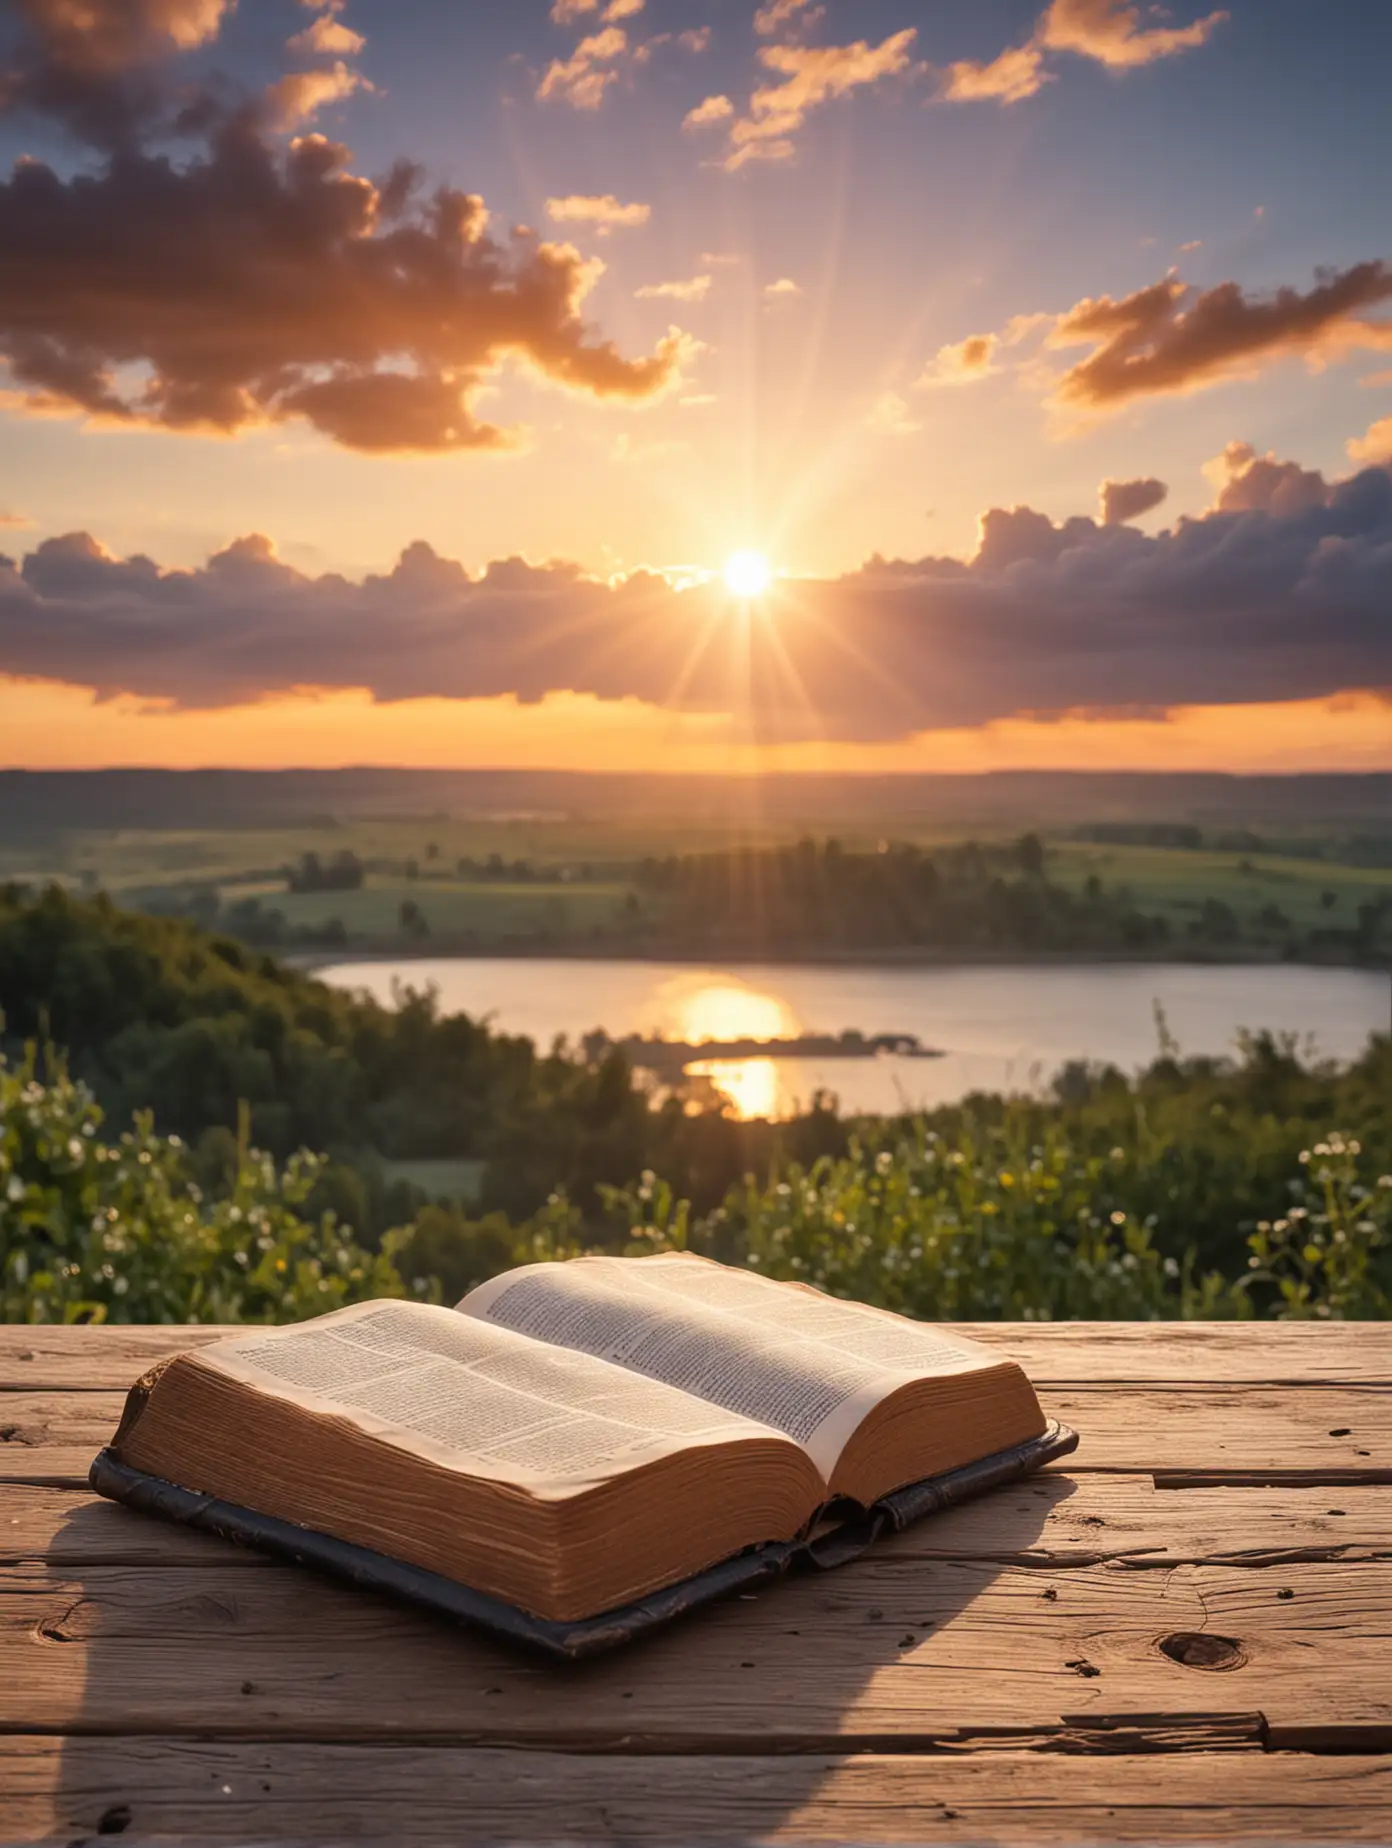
810,75
889,416
960,364
326,37
713,109
1167,339
299,95
1017,73
775,14
601,209
254,285
1121,501
1110,31
1375,445
582,79
694,289
1249,483
565,12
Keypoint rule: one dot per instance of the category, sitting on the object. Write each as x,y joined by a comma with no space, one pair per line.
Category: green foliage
991,1226
94,1231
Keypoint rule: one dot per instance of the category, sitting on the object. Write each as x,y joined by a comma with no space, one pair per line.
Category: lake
999,1028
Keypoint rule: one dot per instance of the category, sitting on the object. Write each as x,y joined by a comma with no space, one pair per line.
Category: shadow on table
225,1697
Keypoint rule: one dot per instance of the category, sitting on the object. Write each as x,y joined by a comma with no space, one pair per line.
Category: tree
1029,851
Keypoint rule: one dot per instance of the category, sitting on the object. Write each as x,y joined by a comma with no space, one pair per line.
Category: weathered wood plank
881,1653
1329,1431
44,1358
1055,1521
1059,1353
221,1792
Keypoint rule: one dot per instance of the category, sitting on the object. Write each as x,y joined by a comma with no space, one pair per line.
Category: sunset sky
391,383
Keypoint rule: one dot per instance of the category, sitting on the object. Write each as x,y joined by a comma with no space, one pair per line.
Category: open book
575,1435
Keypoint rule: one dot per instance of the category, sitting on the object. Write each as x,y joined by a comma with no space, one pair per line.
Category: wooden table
1184,1633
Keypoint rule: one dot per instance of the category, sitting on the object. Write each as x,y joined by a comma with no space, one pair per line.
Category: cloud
1017,73
1121,501
582,79
889,416
1110,31
809,75
714,109
253,285
601,209
14,520
960,364
566,12
1375,445
694,289
785,289
326,37
774,15
1168,338
1249,483
86,62
299,95
1250,605
697,39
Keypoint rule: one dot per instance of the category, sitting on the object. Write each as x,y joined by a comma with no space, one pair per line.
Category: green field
580,875
1175,882
451,908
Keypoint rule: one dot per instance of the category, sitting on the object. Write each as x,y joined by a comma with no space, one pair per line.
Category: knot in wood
1201,1649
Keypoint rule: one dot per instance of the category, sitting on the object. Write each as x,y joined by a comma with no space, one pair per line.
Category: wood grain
1056,1520
1052,1353
1332,1432
222,1792
887,1651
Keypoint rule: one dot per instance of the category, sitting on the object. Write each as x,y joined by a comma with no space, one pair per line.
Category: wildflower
1170,1267
1118,1219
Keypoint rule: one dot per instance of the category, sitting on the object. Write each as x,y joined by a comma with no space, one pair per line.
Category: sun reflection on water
707,1005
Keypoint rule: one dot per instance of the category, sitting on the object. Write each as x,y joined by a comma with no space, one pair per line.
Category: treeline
989,898
818,894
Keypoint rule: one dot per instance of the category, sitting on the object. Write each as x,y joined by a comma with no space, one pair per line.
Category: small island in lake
670,1057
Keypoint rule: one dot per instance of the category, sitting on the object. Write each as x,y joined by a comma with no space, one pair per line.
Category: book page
808,1365
476,1398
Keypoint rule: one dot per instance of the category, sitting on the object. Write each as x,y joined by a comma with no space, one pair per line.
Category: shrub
989,1226
93,1231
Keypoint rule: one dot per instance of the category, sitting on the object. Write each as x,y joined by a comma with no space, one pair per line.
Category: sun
747,574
